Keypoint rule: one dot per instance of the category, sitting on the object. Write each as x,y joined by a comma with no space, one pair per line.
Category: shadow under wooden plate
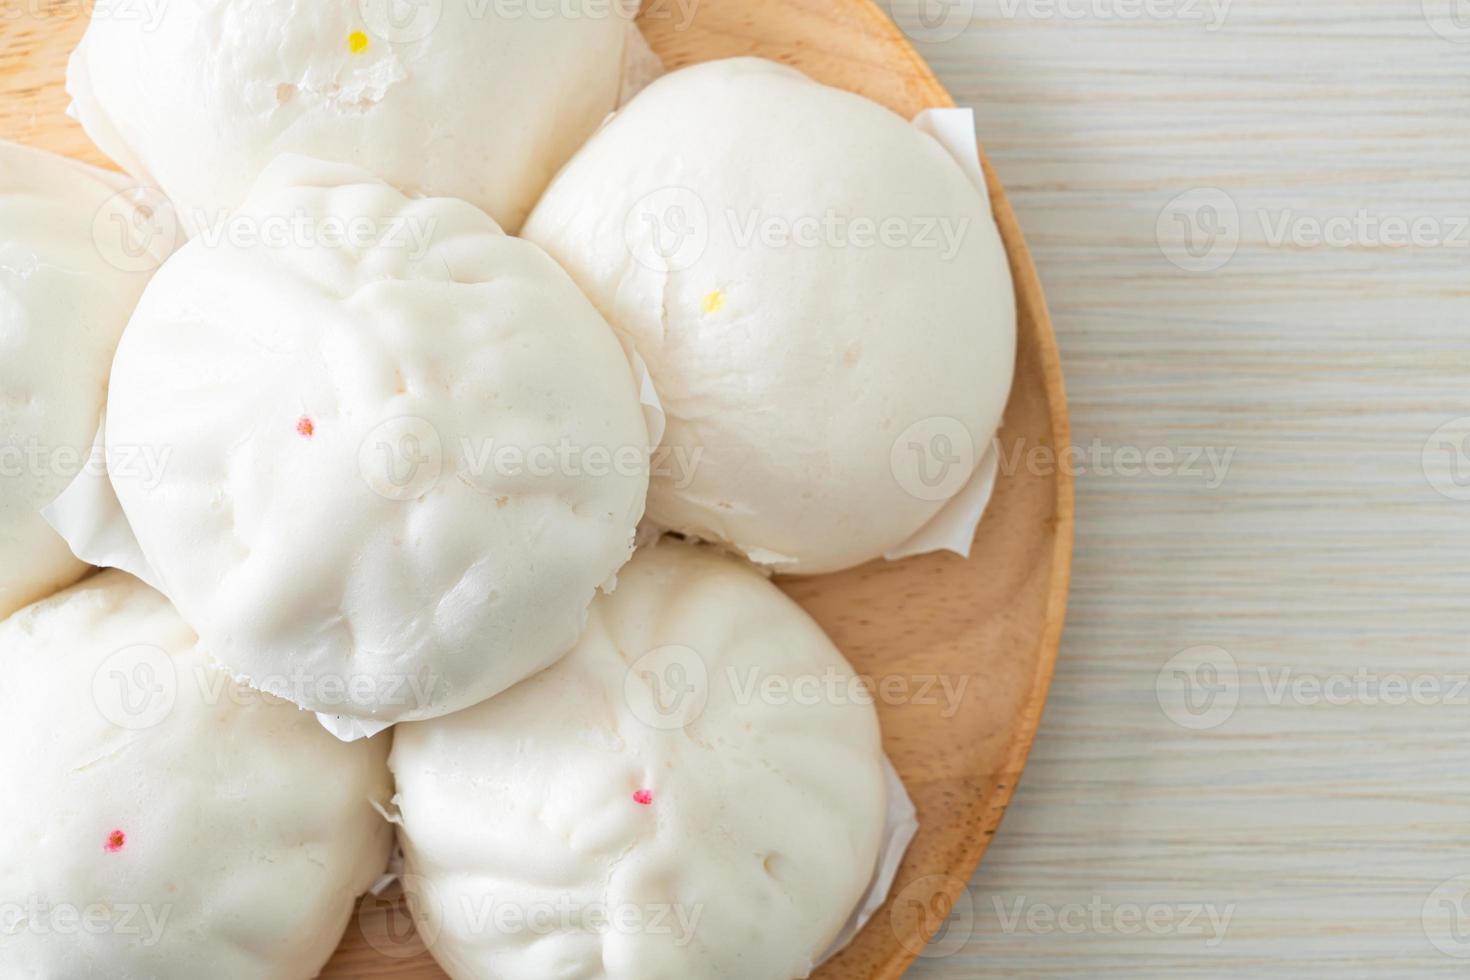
991,623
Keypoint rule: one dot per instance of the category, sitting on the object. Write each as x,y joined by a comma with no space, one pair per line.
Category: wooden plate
987,627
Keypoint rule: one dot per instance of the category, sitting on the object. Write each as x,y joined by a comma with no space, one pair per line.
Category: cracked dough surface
397,471
455,99
159,821
694,792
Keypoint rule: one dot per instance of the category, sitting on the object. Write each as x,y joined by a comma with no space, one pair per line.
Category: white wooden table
1311,819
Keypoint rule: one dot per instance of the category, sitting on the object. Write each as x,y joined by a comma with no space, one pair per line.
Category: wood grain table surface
1252,220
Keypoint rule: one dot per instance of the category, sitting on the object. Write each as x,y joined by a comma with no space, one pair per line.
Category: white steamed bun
160,822
677,798
820,293
457,98
67,286
397,468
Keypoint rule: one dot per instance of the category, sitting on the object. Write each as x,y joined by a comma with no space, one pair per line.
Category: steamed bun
480,101
669,801
403,451
160,822
67,285
821,296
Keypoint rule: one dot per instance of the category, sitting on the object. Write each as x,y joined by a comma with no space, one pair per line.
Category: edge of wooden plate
1029,297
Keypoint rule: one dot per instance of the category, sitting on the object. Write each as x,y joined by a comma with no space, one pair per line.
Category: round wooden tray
988,628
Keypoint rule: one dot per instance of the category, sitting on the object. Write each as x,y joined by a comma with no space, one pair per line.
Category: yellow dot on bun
715,301
357,42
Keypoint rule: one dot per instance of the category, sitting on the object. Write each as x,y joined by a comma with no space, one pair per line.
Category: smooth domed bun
481,101
668,801
398,468
160,822
819,291
67,286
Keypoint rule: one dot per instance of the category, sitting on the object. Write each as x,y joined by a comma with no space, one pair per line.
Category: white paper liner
653,407
349,729
900,824
953,528
90,519
955,131
388,878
